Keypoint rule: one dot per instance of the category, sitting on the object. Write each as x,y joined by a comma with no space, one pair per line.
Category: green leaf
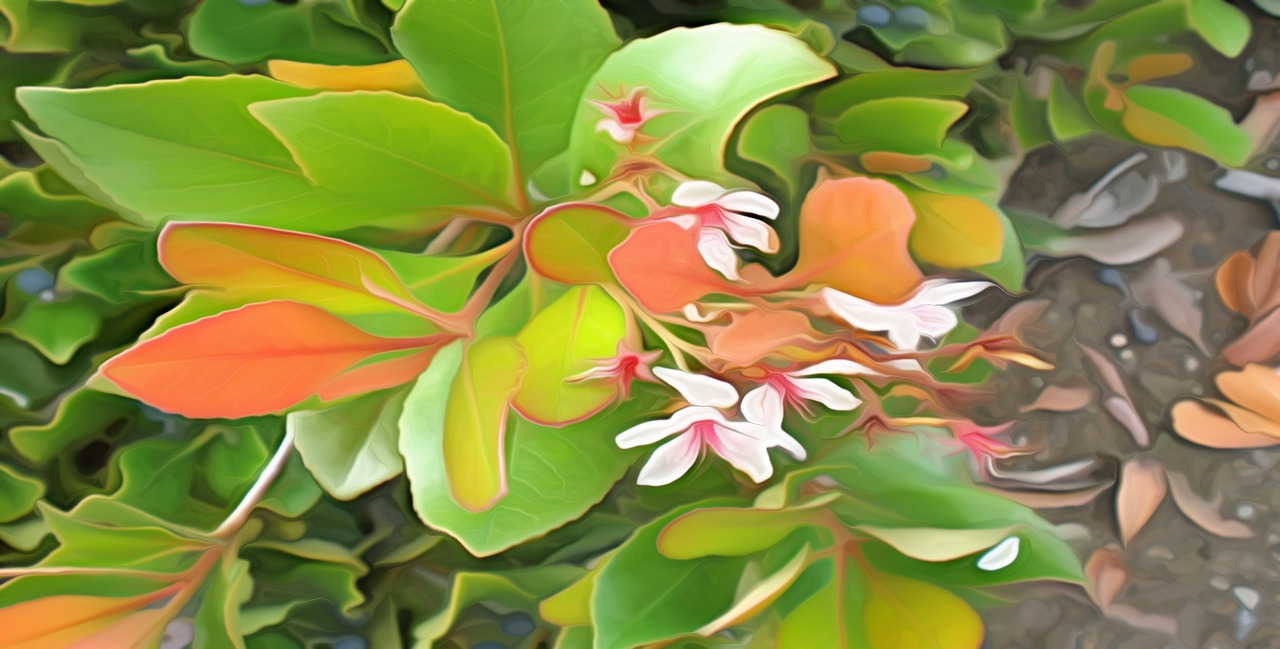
351,448
828,617
554,475
58,328
777,137
217,621
571,243
1222,26
1168,117
520,67
563,340
81,415
441,282
707,78
902,124
894,83
324,31
399,155
642,597
730,531
226,166
20,494
518,590
475,421
902,612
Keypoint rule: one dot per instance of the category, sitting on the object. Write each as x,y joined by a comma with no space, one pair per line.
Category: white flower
924,314
721,216
797,387
702,425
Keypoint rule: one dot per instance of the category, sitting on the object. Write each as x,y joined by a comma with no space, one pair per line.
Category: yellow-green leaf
475,422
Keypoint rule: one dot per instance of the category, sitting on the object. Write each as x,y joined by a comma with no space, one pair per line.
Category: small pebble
874,16
1127,355
1246,511
1190,363
1247,597
351,642
1246,622
1112,277
1271,164
1160,553
33,281
1119,340
1202,253
1219,582
587,178
912,17
518,624
47,295
1142,332
489,645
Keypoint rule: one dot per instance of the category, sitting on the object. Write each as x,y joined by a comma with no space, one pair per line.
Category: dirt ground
1223,593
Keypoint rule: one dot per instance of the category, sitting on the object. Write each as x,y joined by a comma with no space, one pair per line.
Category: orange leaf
254,360
260,264
1142,488
853,238
659,264
755,334
377,375
72,616
1198,423
396,76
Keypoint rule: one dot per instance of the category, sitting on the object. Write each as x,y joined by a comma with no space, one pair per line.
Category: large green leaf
567,338
1169,117
351,447
553,475
189,149
397,154
520,67
321,31
706,78
20,494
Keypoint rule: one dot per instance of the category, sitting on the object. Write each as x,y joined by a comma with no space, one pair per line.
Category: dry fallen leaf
1126,244
1062,398
1158,287
1106,572
1251,419
1119,405
1142,488
1204,513
1250,285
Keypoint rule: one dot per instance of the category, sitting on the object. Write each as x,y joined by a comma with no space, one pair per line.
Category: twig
268,476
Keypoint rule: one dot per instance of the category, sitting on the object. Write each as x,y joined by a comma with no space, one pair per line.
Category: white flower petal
696,193
697,389
763,406
826,393
716,251
1001,555
747,453
749,202
841,366
750,232
941,291
933,321
901,326
652,431
670,461
618,132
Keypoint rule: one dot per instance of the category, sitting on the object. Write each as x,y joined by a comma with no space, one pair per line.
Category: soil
1224,593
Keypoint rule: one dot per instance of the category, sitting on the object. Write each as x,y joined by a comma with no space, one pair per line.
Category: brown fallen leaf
1052,499
1119,405
1204,513
1251,419
1108,577
1142,489
1250,285
1062,398
1158,287
1126,244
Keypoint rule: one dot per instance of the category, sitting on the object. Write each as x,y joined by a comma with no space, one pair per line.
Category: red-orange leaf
853,238
262,264
254,360
378,374
71,617
659,264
